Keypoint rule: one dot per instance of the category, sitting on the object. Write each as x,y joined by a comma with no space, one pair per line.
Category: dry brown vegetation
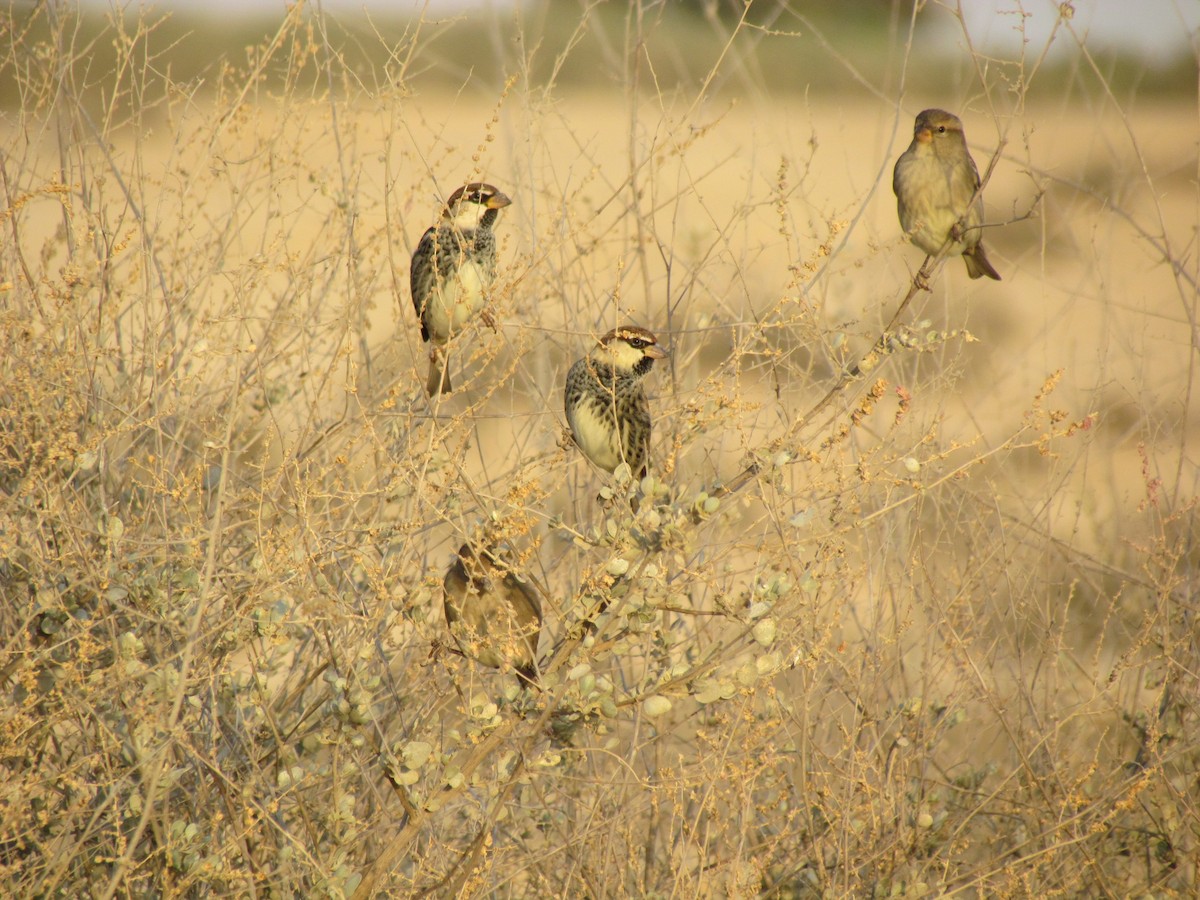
929,631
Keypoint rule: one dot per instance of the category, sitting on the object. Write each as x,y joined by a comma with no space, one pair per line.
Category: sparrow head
629,349
481,564
937,125
468,205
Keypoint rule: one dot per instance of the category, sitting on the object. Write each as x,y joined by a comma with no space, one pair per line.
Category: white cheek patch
468,217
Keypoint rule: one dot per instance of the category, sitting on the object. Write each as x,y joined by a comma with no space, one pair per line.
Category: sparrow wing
421,276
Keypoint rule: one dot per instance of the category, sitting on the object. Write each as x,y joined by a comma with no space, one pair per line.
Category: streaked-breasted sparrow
452,270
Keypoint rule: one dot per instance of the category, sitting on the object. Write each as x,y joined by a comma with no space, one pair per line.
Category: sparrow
934,182
493,615
605,401
452,269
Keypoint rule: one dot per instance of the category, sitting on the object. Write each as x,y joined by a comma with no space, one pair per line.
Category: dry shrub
926,630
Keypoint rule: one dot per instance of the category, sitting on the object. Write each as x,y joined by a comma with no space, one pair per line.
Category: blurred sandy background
745,202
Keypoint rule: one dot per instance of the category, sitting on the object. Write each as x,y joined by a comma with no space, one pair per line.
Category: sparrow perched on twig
452,269
493,615
606,403
934,181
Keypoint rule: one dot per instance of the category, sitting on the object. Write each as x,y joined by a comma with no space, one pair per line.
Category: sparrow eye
941,129
637,343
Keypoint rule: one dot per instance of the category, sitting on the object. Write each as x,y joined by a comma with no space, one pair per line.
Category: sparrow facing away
493,616
934,181
452,269
605,401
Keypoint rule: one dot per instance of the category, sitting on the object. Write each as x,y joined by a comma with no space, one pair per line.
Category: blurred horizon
1158,30
861,48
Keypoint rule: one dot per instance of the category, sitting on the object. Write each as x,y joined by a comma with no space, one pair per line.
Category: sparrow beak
498,201
656,352
924,135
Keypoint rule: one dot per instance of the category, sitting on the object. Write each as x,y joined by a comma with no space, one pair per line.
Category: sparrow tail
977,263
528,676
439,378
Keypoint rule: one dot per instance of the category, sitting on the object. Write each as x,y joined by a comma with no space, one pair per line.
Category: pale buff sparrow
934,181
452,270
493,615
605,401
